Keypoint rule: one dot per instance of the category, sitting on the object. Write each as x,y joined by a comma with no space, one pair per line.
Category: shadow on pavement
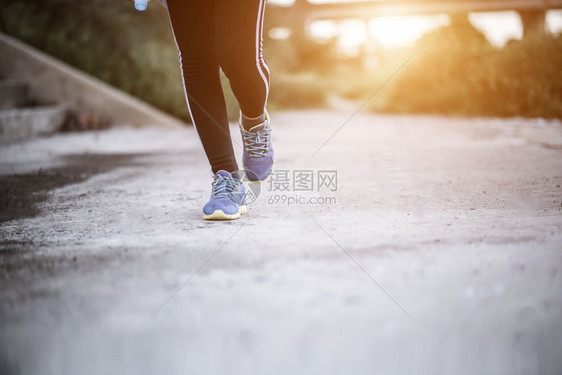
20,194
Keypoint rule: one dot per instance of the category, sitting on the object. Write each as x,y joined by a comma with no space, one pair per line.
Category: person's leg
239,28
193,25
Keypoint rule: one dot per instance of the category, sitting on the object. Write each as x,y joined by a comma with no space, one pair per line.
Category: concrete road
438,250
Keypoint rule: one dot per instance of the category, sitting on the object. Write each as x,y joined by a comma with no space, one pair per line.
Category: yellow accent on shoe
255,126
220,215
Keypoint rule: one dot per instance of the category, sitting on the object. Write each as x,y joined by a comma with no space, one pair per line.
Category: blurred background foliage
454,69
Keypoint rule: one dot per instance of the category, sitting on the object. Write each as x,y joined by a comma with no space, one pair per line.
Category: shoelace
224,186
256,143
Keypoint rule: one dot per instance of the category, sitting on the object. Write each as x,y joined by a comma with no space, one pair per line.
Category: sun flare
388,31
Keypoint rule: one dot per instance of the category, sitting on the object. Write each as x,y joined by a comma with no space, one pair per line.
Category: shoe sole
220,215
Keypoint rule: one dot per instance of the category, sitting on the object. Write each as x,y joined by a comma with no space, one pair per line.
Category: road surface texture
438,250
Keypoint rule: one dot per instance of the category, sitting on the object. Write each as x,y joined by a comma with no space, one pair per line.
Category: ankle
249,122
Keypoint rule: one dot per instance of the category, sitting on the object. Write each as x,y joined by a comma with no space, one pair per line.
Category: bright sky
394,31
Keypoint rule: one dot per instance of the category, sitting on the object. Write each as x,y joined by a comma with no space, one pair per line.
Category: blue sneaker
227,198
258,150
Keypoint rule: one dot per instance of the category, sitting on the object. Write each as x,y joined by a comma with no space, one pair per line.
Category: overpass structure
302,12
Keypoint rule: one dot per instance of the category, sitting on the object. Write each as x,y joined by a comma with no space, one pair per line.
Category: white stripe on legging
259,27
181,70
264,63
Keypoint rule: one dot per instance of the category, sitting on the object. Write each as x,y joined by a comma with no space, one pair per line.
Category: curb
51,80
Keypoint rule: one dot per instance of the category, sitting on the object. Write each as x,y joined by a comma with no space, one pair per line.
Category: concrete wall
53,81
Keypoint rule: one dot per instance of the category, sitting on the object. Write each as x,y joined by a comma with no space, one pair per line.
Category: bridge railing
302,12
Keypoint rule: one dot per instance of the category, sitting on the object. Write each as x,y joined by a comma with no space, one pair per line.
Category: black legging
227,34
